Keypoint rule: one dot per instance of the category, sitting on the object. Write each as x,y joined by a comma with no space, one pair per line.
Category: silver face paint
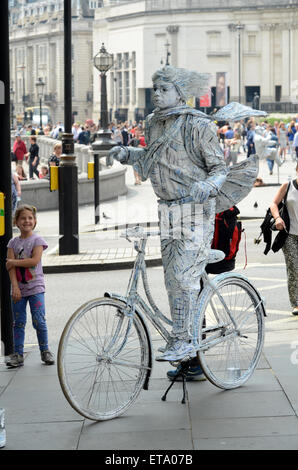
165,95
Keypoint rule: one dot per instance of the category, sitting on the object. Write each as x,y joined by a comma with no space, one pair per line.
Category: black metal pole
67,67
239,66
68,171
40,114
104,102
96,188
5,183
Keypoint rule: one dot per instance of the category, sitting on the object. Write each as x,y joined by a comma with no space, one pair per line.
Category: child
44,172
25,271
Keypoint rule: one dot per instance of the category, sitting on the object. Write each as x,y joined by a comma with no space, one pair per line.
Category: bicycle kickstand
183,373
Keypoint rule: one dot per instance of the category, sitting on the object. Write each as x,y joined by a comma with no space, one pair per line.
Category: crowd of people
281,135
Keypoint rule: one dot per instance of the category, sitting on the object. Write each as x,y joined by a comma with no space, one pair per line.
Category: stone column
267,92
173,31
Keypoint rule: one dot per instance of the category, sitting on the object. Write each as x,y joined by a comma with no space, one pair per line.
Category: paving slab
171,439
46,436
249,443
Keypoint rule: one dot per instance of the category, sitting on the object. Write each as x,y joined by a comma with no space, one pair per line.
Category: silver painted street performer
186,166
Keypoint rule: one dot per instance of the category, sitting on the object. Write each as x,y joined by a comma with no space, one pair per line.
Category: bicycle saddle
215,256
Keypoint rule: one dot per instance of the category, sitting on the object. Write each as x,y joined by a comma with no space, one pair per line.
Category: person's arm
17,184
208,150
279,222
27,262
16,293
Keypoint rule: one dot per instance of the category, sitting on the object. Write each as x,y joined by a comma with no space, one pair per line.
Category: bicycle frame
134,302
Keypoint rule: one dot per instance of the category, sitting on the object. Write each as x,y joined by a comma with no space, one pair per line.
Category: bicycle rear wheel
232,344
102,366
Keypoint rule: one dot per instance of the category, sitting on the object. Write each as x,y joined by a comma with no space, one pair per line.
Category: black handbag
268,226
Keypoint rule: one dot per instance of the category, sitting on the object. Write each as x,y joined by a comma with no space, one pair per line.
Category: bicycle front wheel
102,362
232,340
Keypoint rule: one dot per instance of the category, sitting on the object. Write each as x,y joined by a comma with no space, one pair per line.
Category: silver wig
187,82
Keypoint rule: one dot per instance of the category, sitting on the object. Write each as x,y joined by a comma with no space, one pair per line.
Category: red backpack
227,236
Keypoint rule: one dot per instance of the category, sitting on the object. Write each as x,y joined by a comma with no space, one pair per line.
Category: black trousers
33,169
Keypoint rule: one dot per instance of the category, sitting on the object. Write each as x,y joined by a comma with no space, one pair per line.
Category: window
133,59
252,41
277,93
126,60
120,89
134,87
127,87
42,54
119,61
214,41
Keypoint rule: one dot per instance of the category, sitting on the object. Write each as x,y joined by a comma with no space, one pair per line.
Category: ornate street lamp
40,90
239,27
12,94
103,61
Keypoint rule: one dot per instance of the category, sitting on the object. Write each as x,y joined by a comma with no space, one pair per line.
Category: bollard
90,170
54,178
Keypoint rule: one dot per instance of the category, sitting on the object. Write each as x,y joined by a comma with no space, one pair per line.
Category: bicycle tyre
98,378
232,361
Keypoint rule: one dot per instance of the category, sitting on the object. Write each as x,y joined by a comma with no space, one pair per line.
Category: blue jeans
37,307
270,164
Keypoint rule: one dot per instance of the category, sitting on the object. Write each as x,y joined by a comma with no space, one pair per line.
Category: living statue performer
185,164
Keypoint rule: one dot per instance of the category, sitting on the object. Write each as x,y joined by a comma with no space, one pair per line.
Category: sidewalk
101,246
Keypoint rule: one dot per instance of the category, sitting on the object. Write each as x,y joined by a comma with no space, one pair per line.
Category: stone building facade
254,41
37,51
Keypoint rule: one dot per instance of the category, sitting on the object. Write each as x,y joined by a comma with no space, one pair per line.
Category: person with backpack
290,241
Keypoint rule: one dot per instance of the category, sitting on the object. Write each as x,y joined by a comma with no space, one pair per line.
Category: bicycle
105,352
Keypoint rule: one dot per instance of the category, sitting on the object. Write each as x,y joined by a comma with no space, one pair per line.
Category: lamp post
40,89
167,46
12,93
68,170
103,61
239,28
6,317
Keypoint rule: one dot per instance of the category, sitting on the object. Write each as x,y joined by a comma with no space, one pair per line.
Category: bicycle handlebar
138,232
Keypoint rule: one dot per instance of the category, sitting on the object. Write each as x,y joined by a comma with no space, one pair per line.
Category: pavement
262,415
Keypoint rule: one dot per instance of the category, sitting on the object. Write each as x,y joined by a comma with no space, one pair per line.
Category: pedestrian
137,142
273,145
16,192
19,149
251,150
33,156
54,159
20,173
26,275
295,141
117,135
125,134
282,140
290,247
291,133
82,138
44,172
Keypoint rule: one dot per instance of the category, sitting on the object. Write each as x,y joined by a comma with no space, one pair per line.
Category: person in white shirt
295,141
290,247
